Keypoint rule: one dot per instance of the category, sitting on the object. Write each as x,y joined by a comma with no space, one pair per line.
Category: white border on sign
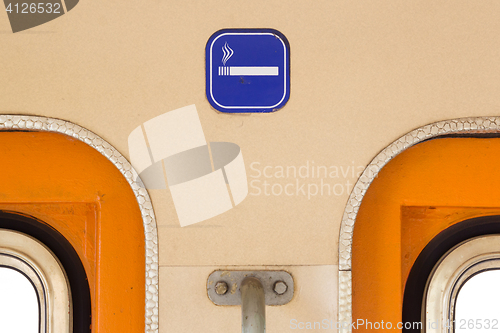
284,63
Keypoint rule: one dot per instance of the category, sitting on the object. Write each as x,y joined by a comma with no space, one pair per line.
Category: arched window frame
455,268
462,126
42,268
45,124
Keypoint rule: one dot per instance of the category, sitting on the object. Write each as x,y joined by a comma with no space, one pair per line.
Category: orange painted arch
73,188
418,194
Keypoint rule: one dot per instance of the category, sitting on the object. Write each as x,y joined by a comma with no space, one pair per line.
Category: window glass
477,307
18,303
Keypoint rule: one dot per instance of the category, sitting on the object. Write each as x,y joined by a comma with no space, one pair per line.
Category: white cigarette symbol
248,71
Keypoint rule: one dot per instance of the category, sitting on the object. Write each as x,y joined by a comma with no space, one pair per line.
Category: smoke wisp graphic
228,53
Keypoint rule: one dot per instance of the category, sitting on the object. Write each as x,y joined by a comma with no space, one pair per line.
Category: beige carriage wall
362,75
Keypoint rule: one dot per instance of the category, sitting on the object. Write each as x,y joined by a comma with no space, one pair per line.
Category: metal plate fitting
223,287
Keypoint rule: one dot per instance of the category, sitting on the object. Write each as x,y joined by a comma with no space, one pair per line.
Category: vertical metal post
253,306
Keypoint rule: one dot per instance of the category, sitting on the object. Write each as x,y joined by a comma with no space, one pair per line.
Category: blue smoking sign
247,70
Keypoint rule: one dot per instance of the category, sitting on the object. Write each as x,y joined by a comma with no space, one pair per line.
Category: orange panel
76,190
418,194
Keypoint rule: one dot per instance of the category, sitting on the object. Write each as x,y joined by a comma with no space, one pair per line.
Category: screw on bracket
221,288
224,287
280,287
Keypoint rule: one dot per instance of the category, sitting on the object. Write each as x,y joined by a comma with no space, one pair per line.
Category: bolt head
280,287
221,288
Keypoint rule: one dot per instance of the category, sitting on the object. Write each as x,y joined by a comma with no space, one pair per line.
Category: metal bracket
223,287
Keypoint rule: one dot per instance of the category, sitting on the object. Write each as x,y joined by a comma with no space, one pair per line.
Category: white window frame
27,255
454,269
